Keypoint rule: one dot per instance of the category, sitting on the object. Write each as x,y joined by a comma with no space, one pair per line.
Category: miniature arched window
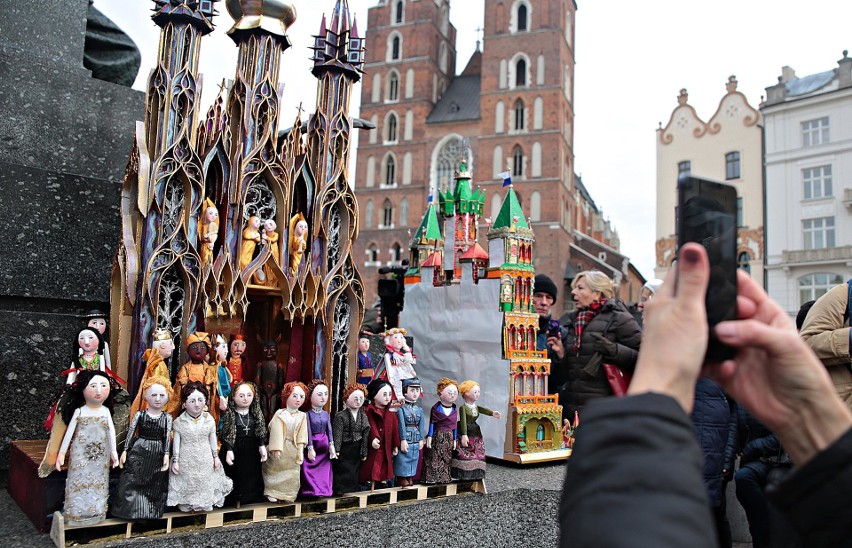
396,252
517,161
390,171
368,214
521,17
394,47
399,12
519,385
496,202
393,86
520,115
403,212
499,116
539,432
498,160
521,72
535,206
409,83
372,253
387,213
448,161
744,261
371,171
535,169
391,125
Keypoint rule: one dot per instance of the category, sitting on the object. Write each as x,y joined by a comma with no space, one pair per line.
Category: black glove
607,348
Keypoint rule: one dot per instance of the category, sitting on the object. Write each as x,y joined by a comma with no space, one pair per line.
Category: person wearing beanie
544,295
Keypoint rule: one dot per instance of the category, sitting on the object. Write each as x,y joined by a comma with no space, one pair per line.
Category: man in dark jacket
551,336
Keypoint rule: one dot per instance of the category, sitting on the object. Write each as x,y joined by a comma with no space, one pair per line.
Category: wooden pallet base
62,534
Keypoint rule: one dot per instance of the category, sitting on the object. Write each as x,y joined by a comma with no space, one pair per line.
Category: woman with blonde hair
601,331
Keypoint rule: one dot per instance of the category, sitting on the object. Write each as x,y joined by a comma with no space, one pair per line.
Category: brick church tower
510,108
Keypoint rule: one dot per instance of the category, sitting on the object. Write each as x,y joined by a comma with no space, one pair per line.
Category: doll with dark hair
91,437
143,485
200,369
197,481
351,434
384,434
243,437
97,320
288,436
443,433
316,470
87,355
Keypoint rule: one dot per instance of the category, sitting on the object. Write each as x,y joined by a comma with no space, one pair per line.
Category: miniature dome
274,16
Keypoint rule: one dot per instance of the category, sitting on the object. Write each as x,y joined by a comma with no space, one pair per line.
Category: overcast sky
632,59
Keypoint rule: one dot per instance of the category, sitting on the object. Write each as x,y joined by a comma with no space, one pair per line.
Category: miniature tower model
427,246
462,206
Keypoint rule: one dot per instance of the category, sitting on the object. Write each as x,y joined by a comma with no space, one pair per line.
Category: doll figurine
288,436
269,237
197,481
443,431
91,436
235,359
223,376
397,363
98,320
469,462
365,361
269,377
316,470
412,433
209,231
244,444
199,370
156,365
298,241
351,439
384,434
251,237
144,481
88,354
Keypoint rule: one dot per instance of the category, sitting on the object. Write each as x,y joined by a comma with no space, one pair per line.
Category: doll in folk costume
209,232
288,437
199,370
156,365
243,438
269,377
298,241
397,363
97,320
351,430
469,462
91,438
236,361
365,360
384,434
412,433
251,237
143,486
316,470
223,376
197,481
269,237
89,354
443,431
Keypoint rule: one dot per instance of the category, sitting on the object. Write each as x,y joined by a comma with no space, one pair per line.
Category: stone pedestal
64,142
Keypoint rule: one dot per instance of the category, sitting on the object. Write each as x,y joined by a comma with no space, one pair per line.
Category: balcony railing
817,255
537,400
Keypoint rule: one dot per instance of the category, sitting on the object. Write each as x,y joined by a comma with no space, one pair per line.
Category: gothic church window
396,252
520,118
521,72
517,161
447,161
387,213
372,254
390,171
394,47
398,12
391,128
522,18
368,214
393,86
403,212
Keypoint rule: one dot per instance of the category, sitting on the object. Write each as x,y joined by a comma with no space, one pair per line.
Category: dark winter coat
711,418
580,375
752,440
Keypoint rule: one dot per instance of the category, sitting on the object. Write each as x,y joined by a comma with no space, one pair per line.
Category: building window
817,182
732,165
393,86
396,252
392,123
744,261
818,233
368,214
372,254
521,72
395,48
740,211
387,214
447,162
522,18
815,132
390,171
519,115
517,161
684,168
814,286
398,12
403,212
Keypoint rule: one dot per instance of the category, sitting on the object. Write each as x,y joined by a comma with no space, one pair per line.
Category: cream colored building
727,148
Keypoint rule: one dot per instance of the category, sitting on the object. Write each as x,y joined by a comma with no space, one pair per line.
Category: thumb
693,273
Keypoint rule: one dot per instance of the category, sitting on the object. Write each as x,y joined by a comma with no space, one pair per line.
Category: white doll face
301,228
99,324
165,347
156,397
97,391
88,341
319,397
449,395
472,394
296,398
383,397
397,340
412,394
254,222
269,225
221,349
243,397
355,400
211,215
364,345
195,403
237,348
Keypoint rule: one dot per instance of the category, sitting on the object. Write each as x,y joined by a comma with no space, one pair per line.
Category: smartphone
553,329
707,214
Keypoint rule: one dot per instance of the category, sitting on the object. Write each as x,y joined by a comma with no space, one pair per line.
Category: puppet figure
144,482
251,237
469,462
197,481
397,363
244,444
443,431
351,439
384,434
209,231
298,241
199,370
316,470
98,320
156,365
91,436
412,433
223,386
235,359
288,436
88,355
365,360
269,377
269,236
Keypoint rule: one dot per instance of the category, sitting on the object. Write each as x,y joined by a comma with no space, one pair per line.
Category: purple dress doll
316,469
443,429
